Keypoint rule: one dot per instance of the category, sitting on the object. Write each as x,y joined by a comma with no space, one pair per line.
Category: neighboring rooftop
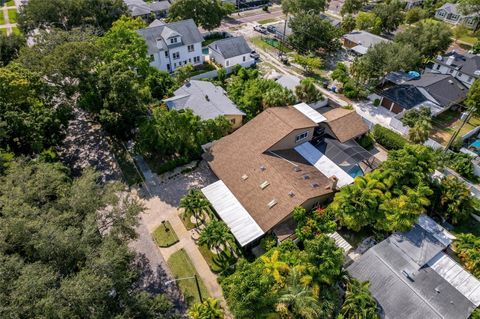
411,277
155,34
364,38
288,81
345,124
453,8
204,99
468,64
268,184
140,8
231,47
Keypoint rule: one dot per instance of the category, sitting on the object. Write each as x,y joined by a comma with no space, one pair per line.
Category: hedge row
388,138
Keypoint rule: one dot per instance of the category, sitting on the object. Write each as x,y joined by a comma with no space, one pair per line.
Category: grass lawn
130,173
2,19
3,31
217,262
469,226
164,235
16,30
205,67
181,266
265,21
257,41
446,123
10,3
469,39
12,15
185,218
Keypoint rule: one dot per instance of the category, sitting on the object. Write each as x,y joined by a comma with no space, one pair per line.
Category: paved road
252,16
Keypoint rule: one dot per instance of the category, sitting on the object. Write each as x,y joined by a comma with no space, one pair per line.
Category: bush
376,102
171,165
388,138
460,163
366,141
268,242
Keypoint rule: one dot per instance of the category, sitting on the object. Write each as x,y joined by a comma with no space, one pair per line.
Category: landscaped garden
182,267
445,124
164,235
12,15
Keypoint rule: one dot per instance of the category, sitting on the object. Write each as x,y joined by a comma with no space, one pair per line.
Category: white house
450,14
172,45
231,51
465,68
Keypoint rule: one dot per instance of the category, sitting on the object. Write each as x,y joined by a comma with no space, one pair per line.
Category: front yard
164,235
448,122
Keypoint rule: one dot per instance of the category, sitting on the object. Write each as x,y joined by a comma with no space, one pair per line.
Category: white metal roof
231,211
437,231
360,49
340,242
457,276
323,163
309,112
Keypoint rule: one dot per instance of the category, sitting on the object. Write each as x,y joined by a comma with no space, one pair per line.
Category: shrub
376,102
366,141
388,138
268,242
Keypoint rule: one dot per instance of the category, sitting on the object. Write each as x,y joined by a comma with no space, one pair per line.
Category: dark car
254,55
271,29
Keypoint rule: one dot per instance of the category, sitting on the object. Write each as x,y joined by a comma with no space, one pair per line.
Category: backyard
448,122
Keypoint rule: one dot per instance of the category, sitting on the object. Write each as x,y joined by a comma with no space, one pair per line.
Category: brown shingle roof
245,153
345,124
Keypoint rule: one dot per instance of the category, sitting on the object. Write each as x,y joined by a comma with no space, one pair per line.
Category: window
438,66
190,48
451,71
244,58
176,55
185,62
460,74
166,54
175,65
152,57
301,137
173,40
454,17
227,63
189,60
232,121
168,67
470,79
196,59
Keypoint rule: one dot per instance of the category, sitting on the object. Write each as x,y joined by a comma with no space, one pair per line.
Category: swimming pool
475,146
355,171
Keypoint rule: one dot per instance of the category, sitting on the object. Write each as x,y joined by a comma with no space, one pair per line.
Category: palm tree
274,266
359,303
307,92
215,234
297,300
209,309
419,132
194,203
455,199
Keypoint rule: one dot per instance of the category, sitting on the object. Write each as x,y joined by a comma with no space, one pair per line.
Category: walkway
161,202
4,11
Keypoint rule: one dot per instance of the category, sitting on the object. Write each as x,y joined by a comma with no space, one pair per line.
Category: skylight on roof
264,184
272,203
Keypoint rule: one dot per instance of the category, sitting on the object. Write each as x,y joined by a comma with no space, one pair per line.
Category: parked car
271,29
254,55
283,58
260,28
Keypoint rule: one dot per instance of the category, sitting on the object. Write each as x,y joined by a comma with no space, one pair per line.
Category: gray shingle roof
467,64
364,38
408,96
449,7
140,7
204,99
425,294
230,47
186,28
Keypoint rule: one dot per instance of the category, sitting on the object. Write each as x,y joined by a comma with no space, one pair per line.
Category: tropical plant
307,92
313,222
195,204
297,301
467,247
456,202
359,302
420,132
326,257
216,234
310,63
274,267
209,309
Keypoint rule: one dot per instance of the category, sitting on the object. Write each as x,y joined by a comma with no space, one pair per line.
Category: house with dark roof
450,13
207,101
438,92
148,10
231,51
172,45
359,41
271,165
412,276
463,67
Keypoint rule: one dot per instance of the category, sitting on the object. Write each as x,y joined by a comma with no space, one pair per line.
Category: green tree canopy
468,248
351,6
9,47
311,33
429,37
70,14
30,118
414,15
368,21
209,309
469,6
58,258
307,92
390,13
206,13
302,6
359,302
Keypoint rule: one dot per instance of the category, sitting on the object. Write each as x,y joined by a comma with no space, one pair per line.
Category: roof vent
437,290
315,185
306,176
477,72
450,81
291,193
439,58
207,98
264,185
244,177
263,168
272,203
297,169
406,274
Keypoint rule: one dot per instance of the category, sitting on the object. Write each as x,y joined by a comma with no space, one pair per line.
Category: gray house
449,13
411,276
153,9
231,51
465,68
207,101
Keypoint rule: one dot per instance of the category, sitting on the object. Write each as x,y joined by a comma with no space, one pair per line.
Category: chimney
333,182
450,60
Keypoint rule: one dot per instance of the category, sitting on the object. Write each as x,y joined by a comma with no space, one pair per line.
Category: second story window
301,137
190,48
176,55
173,40
166,54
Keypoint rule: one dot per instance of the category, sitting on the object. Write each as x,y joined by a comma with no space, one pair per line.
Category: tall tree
456,202
326,257
368,21
301,6
429,37
307,92
209,309
391,14
206,13
70,14
275,267
473,97
9,47
215,235
359,302
311,33
351,6
469,6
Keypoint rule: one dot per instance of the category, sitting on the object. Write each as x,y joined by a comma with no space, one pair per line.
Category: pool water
355,171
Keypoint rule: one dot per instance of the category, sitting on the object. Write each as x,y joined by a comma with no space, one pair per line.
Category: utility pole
465,120
198,288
